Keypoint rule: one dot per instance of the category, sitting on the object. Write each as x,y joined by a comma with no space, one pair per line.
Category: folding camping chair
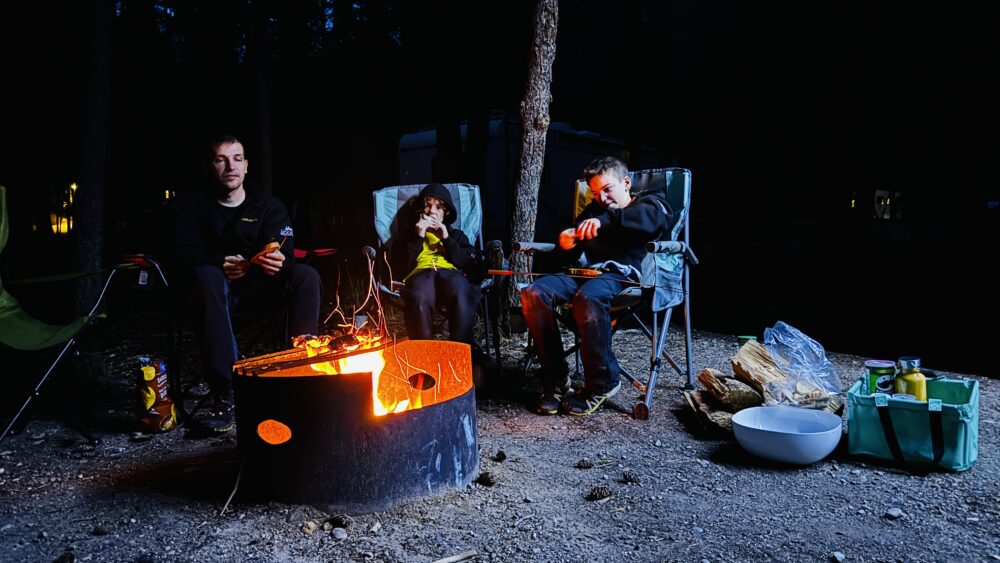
388,202
21,331
664,285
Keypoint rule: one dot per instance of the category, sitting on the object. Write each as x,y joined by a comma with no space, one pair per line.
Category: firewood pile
757,381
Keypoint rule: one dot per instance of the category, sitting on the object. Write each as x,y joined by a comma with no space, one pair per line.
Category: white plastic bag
811,376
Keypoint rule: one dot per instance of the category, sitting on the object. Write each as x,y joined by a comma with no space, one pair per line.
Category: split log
709,412
732,393
753,364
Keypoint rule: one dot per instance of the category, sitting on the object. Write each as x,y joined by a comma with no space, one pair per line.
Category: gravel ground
663,491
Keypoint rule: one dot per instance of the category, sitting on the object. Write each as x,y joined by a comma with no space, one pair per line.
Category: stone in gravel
698,530
629,477
66,557
375,527
500,456
486,479
339,534
327,526
838,556
584,464
99,530
42,535
657,443
308,528
598,492
894,513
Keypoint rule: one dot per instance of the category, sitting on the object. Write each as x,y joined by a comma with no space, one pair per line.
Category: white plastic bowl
787,434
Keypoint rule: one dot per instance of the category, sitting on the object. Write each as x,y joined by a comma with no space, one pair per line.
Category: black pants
215,298
440,288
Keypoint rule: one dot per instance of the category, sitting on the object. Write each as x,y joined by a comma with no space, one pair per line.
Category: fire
360,362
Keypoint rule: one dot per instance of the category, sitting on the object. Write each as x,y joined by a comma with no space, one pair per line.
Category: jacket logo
286,231
248,219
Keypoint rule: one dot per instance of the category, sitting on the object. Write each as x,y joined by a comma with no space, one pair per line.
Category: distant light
853,202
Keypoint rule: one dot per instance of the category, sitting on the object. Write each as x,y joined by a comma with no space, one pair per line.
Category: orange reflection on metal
274,432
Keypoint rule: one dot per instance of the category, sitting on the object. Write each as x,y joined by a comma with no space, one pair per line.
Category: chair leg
37,390
687,337
658,347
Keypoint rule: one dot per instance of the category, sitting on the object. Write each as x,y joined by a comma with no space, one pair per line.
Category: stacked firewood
757,381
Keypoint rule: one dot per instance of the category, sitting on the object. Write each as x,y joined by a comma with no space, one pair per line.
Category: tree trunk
534,126
88,201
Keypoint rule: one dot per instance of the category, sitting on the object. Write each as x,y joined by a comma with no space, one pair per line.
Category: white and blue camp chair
665,279
469,219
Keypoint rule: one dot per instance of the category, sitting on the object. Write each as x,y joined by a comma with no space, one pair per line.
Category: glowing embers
407,375
274,432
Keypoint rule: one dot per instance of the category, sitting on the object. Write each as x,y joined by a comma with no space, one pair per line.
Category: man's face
610,191
229,165
434,207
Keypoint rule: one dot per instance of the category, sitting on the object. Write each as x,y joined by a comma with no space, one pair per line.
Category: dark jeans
441,288
591,300
215,298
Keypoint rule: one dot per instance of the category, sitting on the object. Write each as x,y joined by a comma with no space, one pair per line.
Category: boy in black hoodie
610,235
434,255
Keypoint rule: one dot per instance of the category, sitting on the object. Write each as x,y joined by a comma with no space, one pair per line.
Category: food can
879,376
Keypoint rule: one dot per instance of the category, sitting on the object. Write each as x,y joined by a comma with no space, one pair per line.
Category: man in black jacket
610,235
232,247
435,254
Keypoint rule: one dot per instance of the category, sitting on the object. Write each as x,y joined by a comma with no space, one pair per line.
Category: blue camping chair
469,219
664,285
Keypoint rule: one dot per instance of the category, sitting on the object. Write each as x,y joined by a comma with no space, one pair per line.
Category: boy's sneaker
583,403
548,403
551,398
220,419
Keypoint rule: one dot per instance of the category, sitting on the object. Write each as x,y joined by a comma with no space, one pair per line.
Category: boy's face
610,191
434,208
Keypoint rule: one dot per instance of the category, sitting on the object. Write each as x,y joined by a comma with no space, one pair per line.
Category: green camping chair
21,331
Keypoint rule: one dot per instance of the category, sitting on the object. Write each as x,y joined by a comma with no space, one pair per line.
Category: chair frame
630,302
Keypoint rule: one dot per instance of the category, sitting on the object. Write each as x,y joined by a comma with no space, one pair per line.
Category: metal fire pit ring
311,438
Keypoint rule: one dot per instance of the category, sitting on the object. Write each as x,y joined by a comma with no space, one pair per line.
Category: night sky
786,114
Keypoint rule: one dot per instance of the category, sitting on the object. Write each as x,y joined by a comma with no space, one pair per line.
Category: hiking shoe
582,403
220,419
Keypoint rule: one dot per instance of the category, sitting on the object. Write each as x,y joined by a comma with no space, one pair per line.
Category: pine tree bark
88,201
534,126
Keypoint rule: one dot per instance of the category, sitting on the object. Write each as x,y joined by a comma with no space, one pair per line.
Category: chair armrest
672,247
532,247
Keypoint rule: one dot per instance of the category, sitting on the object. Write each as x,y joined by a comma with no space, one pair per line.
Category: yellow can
910,381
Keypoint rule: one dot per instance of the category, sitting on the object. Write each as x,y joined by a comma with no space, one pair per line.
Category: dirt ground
675,494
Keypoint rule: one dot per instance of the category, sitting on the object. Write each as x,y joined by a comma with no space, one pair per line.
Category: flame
364,362
392,390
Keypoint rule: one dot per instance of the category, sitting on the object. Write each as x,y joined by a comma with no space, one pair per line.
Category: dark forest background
843,153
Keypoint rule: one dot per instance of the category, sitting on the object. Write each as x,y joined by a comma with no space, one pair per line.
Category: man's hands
235,267
586,230
431,224
270,259
270,262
